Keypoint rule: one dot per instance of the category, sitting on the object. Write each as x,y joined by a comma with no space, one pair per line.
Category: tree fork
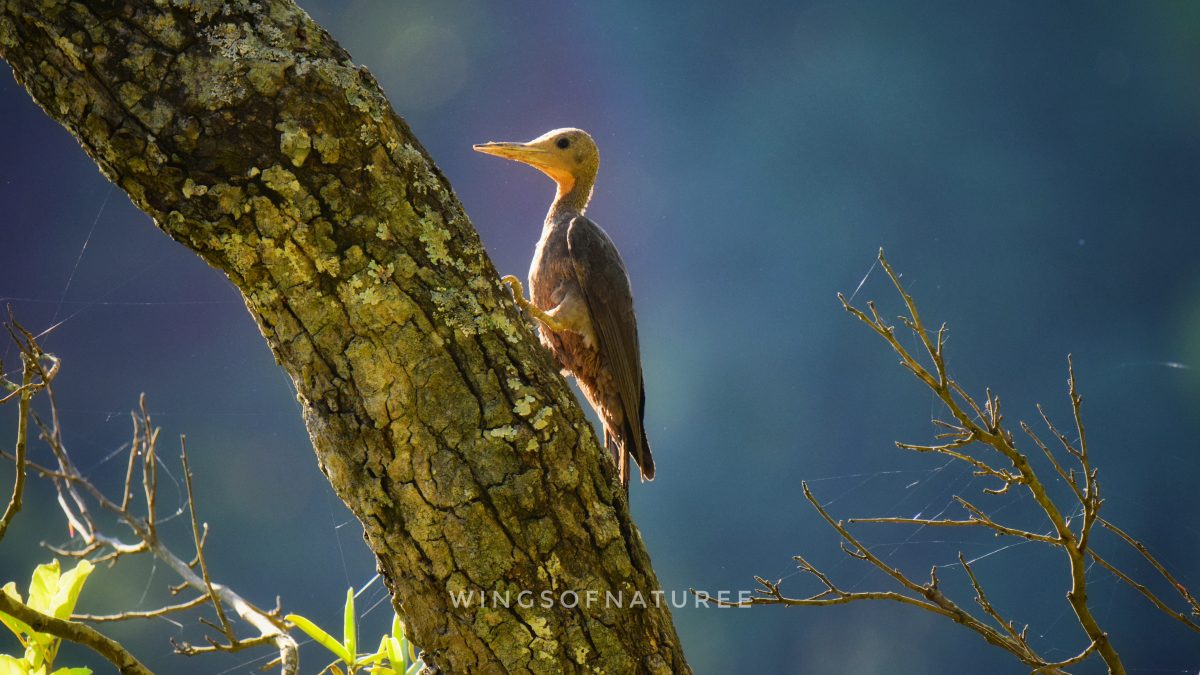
249,136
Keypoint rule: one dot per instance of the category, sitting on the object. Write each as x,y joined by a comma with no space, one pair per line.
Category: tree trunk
248,135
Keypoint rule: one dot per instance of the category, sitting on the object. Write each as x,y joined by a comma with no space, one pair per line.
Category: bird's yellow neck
572,197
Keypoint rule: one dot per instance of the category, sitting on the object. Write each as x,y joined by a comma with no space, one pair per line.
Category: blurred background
1032,170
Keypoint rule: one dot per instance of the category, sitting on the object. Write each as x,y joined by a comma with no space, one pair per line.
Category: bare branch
101,548
208,585
1158,566
149,466
75,632
986,605
1149,595
1067,478
134,451
14,502
1059,665
234,646
969,426
151,614
971,522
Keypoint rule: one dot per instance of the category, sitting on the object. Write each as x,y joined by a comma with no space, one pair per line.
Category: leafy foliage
53,594
394,656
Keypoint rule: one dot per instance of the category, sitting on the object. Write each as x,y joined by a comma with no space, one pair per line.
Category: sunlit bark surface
248,135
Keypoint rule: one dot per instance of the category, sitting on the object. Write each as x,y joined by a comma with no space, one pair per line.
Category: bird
581,296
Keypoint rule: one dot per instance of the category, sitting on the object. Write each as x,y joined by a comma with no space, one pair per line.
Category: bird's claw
518,293
518,290
516,287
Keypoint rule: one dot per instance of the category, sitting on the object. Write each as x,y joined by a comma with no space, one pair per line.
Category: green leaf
10,665
349,636
69,587
411,649
401,652
39,649
394,652
43,586
17,626
320,637
379,655
72,671
55,594
35,651
370,659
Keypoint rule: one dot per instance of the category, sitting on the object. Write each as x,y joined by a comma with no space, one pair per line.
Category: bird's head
569,156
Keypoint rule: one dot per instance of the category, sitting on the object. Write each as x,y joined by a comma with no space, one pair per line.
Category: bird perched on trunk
581,295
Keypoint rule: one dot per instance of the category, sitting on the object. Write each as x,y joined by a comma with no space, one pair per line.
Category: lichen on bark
250,137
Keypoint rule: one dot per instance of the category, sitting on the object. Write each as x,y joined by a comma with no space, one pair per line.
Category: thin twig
1059,665
75,632
971,522
969,426
1141,548
18,491
187,481
40,370
270,625
1146,592
986,605
149,465
149,614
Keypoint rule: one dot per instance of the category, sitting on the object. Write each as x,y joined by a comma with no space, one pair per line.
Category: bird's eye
563,143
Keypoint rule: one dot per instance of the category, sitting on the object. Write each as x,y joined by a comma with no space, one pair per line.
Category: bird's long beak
520,152
536,153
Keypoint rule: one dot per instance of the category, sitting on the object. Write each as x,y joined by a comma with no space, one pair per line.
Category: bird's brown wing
601,274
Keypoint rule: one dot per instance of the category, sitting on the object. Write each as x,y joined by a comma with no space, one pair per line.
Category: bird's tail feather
622,447
636,444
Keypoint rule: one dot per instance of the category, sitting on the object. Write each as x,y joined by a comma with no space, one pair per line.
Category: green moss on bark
250,137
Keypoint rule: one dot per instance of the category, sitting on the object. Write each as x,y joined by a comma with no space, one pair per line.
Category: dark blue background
1033,169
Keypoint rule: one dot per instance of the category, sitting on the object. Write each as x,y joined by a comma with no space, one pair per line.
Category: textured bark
248,135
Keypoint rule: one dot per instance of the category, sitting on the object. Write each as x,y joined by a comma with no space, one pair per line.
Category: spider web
78,306
928,493
925,492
